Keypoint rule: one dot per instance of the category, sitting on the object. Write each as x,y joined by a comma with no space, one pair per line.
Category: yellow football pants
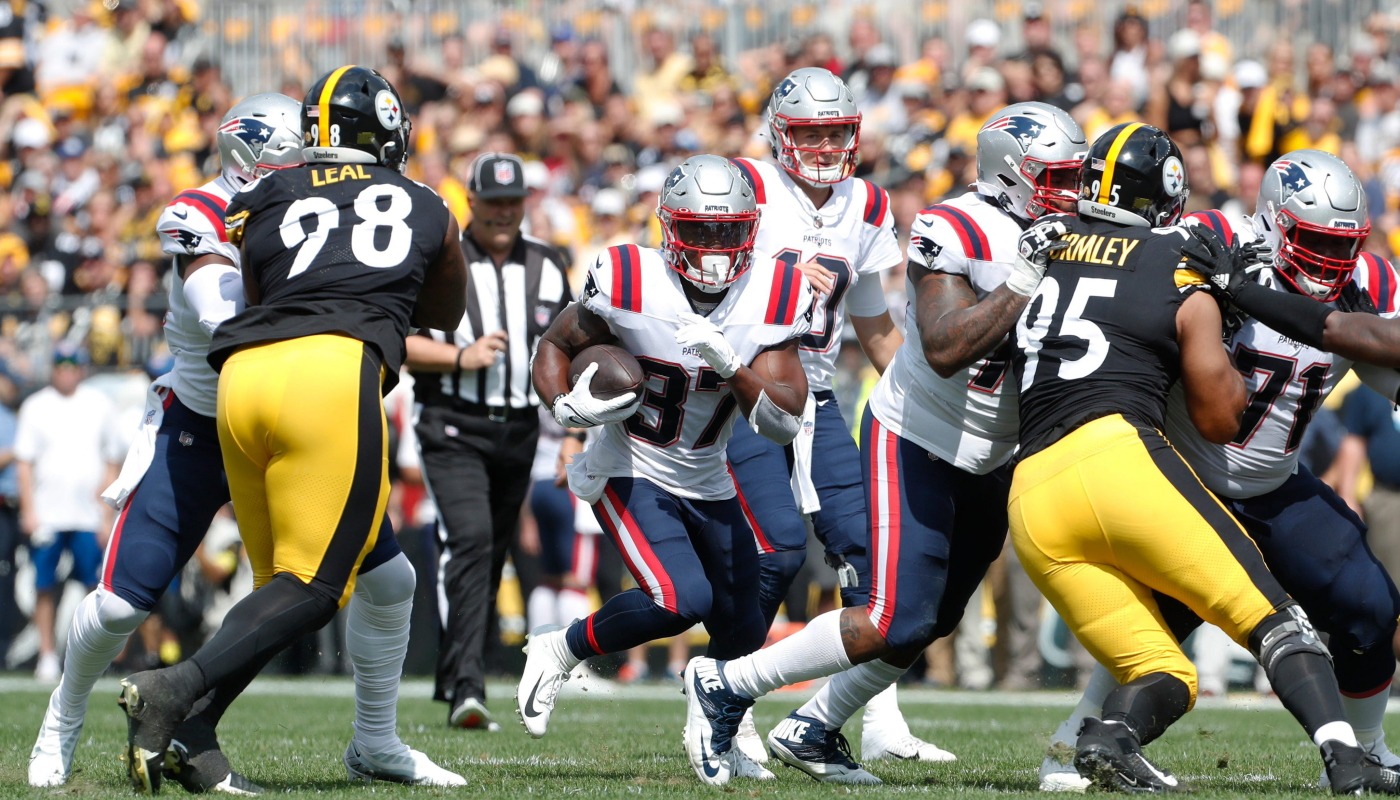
1110,513
305,446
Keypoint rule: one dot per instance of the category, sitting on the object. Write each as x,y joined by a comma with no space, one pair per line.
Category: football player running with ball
1107,517
716,329
938,432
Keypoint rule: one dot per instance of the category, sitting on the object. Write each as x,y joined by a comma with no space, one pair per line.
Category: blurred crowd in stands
107,110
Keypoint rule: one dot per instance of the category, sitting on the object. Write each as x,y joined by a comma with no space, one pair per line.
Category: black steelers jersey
333,248
1099,335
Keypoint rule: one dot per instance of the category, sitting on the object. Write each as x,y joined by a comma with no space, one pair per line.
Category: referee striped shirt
521,297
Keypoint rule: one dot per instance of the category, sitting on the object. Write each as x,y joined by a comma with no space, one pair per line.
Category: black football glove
1225,267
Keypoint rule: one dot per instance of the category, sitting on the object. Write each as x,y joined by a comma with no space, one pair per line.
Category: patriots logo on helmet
785,88
187,239
1292,178
1023,129
254,133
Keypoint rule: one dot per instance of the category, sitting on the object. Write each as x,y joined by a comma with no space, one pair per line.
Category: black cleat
1352,770
196,762
1108,755
154,709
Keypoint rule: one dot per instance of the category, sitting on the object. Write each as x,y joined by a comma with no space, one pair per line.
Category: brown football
618,372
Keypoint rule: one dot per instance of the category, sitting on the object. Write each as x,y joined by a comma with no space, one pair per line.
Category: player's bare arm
956,330
442,300
776,372
879,337
573,331
1215,394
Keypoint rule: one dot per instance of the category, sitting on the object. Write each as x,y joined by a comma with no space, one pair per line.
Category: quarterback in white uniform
1313,219
840,231
715,329
172,484
935,440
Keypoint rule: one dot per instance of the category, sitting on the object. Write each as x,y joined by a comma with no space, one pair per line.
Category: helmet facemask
1054,186
1317,260
709,250
821,165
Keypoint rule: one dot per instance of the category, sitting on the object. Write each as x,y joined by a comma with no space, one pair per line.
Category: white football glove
707,338
580,409
1033,251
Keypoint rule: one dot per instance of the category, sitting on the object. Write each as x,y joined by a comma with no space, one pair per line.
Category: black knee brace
1284,633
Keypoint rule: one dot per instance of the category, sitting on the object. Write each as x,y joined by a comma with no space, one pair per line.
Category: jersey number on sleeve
1280,372
820,340
365,235
668,401
1032,328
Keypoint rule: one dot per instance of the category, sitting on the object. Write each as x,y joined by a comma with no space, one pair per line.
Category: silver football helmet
807,97
1028,159
259,134
1312,212
709,219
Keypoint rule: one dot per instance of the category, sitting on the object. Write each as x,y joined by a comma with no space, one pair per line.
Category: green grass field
288,736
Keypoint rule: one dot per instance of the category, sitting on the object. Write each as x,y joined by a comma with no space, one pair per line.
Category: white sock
376,637
813,652
1336,732
101,625
573,604
848,691
1101,683
1366,715
882,711
542,607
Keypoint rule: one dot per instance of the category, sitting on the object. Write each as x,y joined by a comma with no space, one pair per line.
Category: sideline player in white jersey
716,329
839,230
936,438
1310,223
173,483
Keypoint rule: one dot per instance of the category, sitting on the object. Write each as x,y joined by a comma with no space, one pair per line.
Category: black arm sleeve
1293,315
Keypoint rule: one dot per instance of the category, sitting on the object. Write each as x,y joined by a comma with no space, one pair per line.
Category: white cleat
713,711
748,741
51,760
875,746
1061,776
543,677
741,766
404,765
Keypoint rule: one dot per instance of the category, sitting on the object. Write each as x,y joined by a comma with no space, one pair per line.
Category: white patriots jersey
677,438
190,227
1287,383
852,235
971,419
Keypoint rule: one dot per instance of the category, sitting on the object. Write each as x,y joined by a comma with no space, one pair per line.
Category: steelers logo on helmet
1173,176
352,115
389,109
1133,175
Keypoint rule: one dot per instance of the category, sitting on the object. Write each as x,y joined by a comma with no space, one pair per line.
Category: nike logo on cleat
705,764
708,675
791,729
530,710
